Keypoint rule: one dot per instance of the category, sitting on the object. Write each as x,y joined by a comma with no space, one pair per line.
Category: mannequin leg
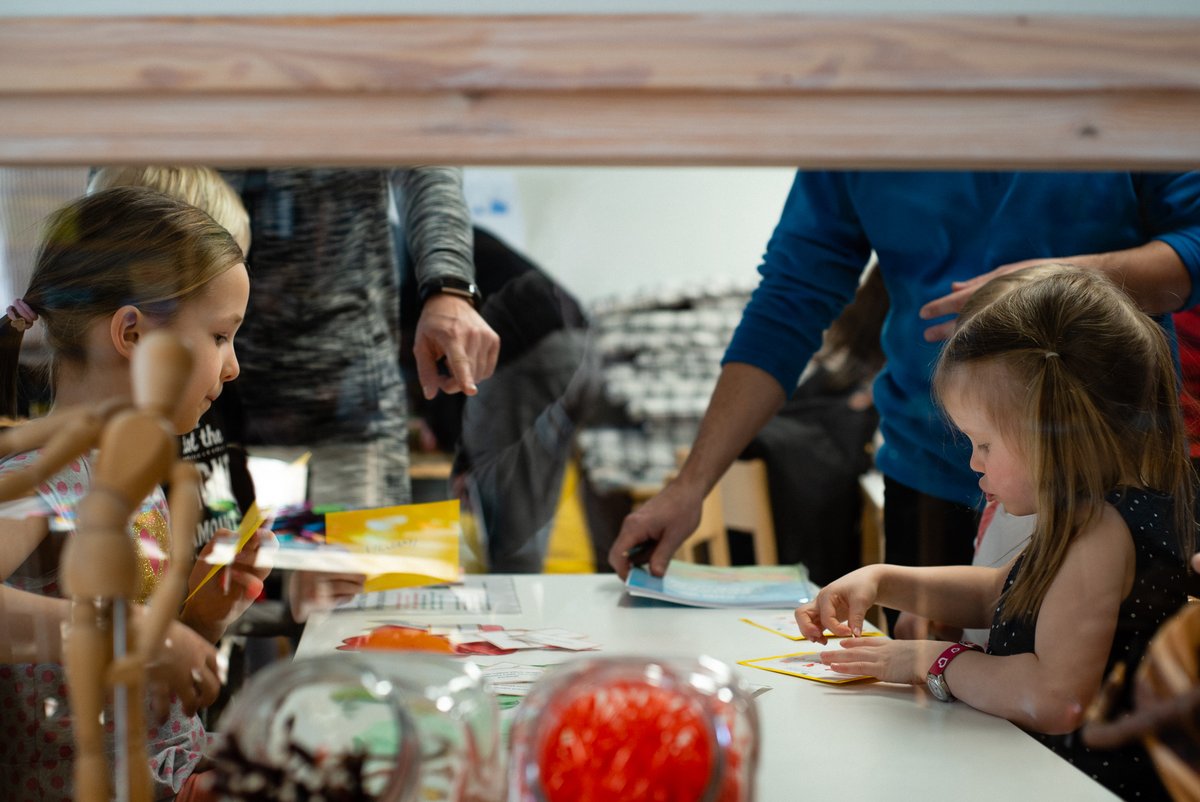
87,653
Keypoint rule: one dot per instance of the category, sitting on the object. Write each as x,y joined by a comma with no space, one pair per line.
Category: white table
856,742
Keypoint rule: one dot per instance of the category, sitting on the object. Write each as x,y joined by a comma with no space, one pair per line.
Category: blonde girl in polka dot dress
1068,396
113,267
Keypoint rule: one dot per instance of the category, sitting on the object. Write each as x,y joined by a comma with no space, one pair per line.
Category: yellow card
251,521
431,532
785,624
806,665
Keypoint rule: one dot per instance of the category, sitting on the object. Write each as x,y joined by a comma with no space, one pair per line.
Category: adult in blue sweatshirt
938,235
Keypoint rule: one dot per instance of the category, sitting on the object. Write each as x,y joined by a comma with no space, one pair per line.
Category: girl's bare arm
957,595
1047,690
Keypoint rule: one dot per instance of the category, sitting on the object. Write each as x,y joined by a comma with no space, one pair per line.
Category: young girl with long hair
113,267
1069,397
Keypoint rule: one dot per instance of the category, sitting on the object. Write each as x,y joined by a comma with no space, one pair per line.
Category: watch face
938,687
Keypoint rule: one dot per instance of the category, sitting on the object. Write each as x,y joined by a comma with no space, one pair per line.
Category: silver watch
936,683
935,680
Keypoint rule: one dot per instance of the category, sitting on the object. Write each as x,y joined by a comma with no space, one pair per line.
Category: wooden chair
741,501
873,537
710,539
871,484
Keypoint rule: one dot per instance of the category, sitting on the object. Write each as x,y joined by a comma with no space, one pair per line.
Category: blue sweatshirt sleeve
809,273
1170,208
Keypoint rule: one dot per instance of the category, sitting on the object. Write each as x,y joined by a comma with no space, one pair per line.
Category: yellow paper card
806,665
785,624
428,533
252,520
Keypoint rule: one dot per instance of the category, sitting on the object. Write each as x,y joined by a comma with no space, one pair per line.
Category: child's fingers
833,615
252,588
855,618
842,664
827,606
856,655
811,630
249,583
247,558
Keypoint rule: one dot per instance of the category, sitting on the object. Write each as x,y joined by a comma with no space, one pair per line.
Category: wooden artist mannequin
106,646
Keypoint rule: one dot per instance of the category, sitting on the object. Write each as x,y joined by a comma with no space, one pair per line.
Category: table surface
861,741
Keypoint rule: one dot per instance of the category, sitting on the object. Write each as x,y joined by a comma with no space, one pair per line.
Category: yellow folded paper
252,520
429,531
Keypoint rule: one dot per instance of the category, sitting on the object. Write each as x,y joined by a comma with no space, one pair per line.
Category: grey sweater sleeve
436,221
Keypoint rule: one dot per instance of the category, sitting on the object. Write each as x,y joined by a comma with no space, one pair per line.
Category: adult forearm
437,223
1153,274
745,398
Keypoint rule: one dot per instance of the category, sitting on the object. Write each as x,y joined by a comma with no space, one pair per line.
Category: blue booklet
753,586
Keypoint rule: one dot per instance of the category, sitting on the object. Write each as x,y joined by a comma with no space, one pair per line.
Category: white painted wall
600,231
605,230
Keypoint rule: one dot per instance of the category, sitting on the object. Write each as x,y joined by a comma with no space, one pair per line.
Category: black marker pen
640,554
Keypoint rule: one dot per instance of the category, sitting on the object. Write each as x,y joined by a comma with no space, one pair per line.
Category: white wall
603,230
600,231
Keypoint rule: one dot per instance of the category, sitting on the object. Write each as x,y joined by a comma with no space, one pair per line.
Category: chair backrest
710,533
746,506
741,501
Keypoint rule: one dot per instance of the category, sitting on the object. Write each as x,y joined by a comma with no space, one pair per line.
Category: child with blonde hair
1069,399
226,489
1000,534
202,187
113,267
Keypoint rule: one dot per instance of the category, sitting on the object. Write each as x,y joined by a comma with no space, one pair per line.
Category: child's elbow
1056,714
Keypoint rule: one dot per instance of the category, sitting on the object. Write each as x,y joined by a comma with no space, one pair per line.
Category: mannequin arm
63,437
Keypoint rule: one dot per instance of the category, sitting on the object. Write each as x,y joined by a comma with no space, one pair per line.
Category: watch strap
951,652
935,680
450,285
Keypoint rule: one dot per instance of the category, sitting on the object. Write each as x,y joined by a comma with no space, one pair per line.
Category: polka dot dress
1158,592
37,749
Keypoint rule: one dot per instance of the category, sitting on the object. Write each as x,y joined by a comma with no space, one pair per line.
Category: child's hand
906,661
840,607
310,592
186,667
228,594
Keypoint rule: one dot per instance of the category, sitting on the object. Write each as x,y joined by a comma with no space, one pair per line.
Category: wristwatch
935,680
450,285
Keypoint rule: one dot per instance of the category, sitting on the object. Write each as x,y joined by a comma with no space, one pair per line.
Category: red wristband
954,650
934,679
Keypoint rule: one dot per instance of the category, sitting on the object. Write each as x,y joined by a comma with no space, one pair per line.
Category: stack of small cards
511,679
513,640
494,639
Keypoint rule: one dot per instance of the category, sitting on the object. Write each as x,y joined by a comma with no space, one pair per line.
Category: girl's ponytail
11,335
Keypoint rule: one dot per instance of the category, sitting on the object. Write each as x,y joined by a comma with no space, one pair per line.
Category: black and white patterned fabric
319,349
1158,592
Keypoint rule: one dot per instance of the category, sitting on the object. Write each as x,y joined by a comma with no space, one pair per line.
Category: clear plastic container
635,730
407,726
